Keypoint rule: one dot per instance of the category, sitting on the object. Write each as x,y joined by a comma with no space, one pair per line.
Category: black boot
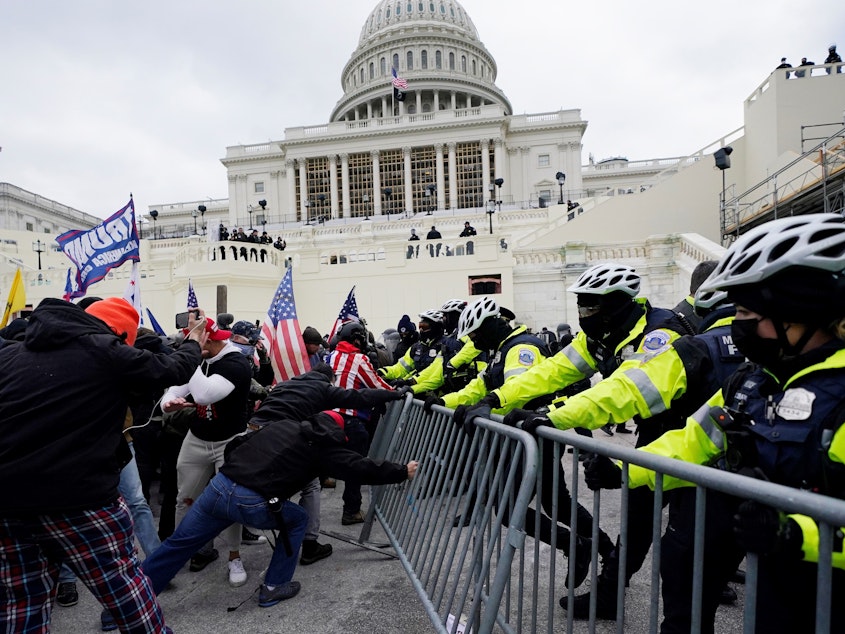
580,568
605,593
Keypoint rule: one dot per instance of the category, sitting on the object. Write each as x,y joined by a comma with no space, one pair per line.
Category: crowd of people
239,235
753,357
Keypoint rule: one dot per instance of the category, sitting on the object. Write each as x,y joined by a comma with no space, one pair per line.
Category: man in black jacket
263,469
63,398
297,399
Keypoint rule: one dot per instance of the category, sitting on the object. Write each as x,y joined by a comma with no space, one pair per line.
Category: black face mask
594,326
766,352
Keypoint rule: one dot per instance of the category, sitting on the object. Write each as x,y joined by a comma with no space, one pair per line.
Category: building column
441,181
454,101
401,108
409,191
344,184
436,101
369,110
303,189
375,195
419,101
333,206
384,107
453,176
485,170
524,155
233,200
499,160
243,197
274,203
290,212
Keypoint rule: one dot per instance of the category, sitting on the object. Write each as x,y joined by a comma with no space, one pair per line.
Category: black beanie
325,369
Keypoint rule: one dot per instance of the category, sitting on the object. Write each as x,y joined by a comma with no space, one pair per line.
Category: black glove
601,472
761,529
465,414
533,422
431,401
516,416
400,392
398,382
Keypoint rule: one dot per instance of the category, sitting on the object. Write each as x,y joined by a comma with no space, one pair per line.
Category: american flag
283,338
192,297
398,82
349,312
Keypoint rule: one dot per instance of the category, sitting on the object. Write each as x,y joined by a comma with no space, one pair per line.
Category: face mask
245,348
766,352
594,326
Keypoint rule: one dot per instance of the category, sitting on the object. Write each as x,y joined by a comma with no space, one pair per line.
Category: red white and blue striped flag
348,312
398,82
283,338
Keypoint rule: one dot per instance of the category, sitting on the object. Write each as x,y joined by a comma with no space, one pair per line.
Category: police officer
671,381
615,325
421,354
781,415
511,352
458,361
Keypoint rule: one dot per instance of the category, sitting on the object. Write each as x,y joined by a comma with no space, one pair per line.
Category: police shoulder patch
656,340
526,356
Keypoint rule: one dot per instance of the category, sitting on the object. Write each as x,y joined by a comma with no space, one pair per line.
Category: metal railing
459,529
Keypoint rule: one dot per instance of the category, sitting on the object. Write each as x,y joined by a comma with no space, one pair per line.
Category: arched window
431,7
378,19
410,8
372,70
442,9
396,61
409,60
451,61
426,107
398,9
362,76
424,60
412,109
387,13
438,59
464,63
473,67
383,66
420,7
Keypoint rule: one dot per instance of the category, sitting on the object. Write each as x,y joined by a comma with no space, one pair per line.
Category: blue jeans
220,505
142,517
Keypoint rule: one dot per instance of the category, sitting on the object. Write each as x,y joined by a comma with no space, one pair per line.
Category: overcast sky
103,98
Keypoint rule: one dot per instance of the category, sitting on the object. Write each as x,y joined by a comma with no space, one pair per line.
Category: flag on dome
192,297
348,312
399,86
283,338
398,82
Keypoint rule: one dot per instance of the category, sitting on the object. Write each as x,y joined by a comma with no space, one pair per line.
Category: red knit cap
119,315
335,416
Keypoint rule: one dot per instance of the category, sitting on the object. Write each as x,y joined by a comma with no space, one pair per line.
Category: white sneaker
237,574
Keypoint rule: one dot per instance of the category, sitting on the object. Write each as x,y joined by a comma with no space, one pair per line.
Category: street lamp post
249,211
39,247
491,209
322,199
429,192
498,183
202,209
154,215
561,179
308,212
194,214
722,157
388,192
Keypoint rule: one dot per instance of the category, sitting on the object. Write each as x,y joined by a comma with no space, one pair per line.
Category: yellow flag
17,298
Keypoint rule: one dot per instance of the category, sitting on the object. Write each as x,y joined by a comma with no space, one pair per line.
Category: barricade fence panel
459,529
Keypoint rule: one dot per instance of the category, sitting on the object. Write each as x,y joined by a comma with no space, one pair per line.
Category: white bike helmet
454,306
708,300
603,279
474,314
432,315
814,241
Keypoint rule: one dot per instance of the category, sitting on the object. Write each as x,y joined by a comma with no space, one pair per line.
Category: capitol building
439,147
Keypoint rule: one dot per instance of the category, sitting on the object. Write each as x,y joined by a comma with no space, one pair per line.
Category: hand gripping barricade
484,577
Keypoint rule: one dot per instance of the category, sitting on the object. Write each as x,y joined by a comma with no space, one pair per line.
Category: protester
63,400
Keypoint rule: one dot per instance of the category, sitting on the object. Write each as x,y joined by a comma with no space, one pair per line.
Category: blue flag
97,251
158,329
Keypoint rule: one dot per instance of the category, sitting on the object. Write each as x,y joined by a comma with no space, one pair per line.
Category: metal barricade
459,528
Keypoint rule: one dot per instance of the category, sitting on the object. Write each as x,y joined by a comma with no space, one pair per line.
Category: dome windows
387,14
463,63
424,60
372,71
410,8
409,60
431,7
398,9
442,9
438,60
396,61
421,7
451,61
383,66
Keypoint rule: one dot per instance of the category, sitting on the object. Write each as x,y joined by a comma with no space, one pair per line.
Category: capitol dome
434,46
